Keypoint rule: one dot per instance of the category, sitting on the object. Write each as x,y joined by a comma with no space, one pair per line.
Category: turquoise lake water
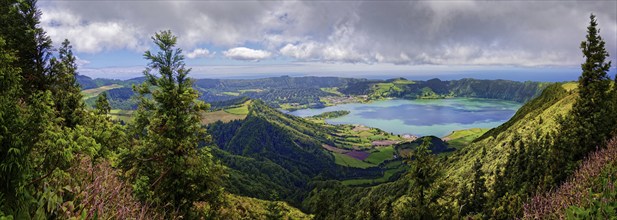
436,117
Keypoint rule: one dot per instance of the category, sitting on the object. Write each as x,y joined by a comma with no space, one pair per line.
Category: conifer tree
167,166
102,104
591,106
66,91
33,47
14,164
478,187
423,173
590,122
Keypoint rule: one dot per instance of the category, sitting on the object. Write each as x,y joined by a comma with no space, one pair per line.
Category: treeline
332,114
435,88
299,96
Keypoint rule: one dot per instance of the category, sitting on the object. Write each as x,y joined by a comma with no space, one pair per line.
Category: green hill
437,146
533,120
274,154
436,88
304,92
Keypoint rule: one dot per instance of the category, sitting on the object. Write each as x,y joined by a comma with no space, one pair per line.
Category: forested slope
532,121
273,154
536,118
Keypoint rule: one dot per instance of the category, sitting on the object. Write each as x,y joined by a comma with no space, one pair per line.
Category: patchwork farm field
227,115
380,155
392,168
346,160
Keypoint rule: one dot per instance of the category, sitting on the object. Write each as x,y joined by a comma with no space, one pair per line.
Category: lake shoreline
421,117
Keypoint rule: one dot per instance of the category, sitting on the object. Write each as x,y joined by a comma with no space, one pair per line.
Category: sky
448,39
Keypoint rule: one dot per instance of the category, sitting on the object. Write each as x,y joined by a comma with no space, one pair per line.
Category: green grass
347,137
461,138
211,117
377,137
348,161
403,82
395,167
226,115
292,106
242,207
570,86
380,155
242,110
333,90
89,93
353,139
231,93
365,134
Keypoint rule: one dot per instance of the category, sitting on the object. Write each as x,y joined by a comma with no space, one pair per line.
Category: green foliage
332,114
40,135
435,88
436,146
602,203
14,163
497,89
66,91
462,138
599,210
22,32
423,173
240,207
534,108
102,105
166,166
345,160
394,169
380,155
592,119
241,110
472,200
274,211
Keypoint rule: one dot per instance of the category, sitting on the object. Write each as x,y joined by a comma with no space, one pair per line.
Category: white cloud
397,32
301,51
91,37
243,53
199,52
81,62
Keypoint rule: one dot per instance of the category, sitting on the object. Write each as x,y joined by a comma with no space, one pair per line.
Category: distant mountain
436,88
86,82
307,92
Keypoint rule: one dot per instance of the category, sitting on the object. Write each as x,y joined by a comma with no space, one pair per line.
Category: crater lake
422,117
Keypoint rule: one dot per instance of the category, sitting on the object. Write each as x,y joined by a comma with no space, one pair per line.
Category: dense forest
63,155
